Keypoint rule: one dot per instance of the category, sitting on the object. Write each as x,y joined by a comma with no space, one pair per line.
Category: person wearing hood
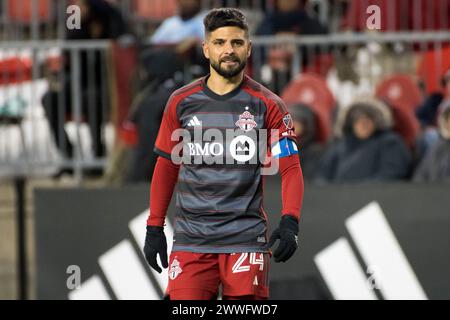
306,131
436,164
367,150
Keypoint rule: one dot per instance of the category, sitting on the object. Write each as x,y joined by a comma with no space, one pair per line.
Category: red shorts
198,275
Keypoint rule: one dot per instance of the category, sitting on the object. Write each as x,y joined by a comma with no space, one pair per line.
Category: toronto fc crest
246,121
175,269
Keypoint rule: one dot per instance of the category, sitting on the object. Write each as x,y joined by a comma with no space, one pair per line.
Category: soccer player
220,224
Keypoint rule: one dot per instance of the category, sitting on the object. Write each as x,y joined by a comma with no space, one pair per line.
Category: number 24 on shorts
240,265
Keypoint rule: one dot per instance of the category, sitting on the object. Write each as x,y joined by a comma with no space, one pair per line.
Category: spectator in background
306,132
186,25
178,39
289,18
367,149
436,164
99,20
146,115
427,115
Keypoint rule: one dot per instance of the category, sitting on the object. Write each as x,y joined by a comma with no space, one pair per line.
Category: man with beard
220,226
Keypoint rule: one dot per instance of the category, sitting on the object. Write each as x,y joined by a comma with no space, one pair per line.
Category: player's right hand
155,243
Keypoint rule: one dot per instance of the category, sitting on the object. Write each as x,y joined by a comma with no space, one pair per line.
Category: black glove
287,233
155,243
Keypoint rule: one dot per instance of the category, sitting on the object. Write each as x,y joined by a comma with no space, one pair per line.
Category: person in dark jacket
367,150
436,163
427,113
290,16
100,20
149,108
305,128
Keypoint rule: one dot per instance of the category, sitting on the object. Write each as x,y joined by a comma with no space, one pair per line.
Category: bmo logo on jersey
241,148
230,146
205,149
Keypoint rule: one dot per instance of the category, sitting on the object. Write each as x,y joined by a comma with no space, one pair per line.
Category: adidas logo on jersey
194,122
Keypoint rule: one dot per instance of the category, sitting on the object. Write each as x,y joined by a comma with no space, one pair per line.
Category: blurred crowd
356,137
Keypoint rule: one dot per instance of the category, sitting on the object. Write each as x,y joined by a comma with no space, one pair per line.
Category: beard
231,71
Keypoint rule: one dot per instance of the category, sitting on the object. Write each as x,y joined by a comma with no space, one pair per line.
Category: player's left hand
287,233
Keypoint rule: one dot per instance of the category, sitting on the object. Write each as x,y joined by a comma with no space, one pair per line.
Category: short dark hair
225,17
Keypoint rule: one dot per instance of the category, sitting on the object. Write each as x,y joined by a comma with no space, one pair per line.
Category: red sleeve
292,186
164,141
278,118
163,183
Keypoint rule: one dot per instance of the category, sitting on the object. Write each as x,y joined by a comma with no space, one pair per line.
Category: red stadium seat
15,70
432,66
401,91
21,11
309,89
155,9
406,125
323,124
356,16
320,64
312,90
399,15
403,96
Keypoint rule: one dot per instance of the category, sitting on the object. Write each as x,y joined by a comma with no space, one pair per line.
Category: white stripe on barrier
342,272
91,289
125,273
382,253
137,227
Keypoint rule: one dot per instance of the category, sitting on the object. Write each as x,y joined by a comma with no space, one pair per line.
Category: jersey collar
223,97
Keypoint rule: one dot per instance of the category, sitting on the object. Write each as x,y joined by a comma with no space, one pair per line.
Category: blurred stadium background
80,110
